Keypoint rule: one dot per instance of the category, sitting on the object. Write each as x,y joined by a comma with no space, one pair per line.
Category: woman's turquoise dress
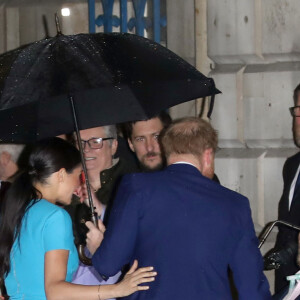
45,227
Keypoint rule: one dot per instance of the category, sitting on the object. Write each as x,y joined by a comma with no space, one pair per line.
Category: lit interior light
65,12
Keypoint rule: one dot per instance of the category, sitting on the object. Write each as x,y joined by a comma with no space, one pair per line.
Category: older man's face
144,142
98,159
296,125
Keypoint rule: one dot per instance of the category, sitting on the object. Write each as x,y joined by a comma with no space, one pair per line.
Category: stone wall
24,24
255,50
251,49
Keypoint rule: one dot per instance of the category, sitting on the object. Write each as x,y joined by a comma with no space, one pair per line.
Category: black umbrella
112,78
68,83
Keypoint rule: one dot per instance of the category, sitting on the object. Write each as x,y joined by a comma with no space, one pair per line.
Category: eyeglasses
295,111
95,143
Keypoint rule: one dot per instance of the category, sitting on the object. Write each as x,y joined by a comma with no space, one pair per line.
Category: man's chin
90,165
297,140
151,168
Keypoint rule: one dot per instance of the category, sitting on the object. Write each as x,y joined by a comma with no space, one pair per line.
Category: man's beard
145,168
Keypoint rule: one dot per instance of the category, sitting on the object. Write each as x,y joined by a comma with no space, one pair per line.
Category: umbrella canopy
112,78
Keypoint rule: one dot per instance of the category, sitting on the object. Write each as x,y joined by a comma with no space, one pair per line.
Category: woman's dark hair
46,158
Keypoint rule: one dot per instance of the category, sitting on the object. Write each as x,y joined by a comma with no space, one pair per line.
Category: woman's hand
132,279
94,236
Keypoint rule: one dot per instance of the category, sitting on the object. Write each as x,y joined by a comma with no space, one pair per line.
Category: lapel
296,201
292,169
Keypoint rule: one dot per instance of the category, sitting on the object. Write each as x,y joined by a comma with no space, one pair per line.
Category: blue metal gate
140,22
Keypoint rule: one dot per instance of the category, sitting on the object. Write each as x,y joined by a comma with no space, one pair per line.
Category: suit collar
293,165
184,167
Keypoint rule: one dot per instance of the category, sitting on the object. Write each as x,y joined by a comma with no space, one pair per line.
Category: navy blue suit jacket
190,229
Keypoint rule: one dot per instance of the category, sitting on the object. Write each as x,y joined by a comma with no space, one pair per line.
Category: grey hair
13,149
111,131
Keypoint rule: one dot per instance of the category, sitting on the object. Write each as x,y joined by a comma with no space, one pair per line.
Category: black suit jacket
286,235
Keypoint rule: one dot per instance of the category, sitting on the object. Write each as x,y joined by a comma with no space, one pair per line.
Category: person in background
289,205
143,140
9,155
142,137
104,171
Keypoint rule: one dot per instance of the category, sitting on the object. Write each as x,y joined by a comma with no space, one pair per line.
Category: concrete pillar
77,22
12,28
181,40
2,29
255,49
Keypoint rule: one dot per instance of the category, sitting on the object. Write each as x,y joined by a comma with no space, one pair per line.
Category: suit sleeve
247,263
119,241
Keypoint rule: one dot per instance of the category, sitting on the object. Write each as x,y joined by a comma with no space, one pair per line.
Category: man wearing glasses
105,171
289,205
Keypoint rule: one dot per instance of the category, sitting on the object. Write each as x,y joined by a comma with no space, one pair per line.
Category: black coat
80,212
286,236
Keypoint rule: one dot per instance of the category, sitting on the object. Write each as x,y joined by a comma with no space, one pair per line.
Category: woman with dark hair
37,253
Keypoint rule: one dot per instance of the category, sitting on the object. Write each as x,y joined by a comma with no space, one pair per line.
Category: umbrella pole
94,216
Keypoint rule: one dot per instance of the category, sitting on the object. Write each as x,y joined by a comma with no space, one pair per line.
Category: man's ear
61,175
5,158
207,163
114,146
130,145
208,156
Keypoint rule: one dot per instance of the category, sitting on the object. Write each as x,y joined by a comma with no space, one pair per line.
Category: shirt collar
184,162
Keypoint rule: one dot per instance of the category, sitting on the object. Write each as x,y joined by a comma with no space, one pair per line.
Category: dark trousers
280,295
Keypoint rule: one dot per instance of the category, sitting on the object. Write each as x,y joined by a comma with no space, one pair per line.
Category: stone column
181,40
12,33
255,49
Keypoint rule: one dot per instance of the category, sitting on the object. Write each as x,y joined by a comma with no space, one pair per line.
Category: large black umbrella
69,83
112,78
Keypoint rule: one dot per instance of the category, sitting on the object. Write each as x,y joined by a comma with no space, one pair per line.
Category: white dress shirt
292,188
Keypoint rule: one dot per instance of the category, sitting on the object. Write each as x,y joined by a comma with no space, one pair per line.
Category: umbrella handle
80,249
83,258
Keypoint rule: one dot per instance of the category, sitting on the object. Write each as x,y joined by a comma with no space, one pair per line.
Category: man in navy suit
188,227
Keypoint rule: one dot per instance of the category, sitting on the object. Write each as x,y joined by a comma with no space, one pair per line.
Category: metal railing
139,23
